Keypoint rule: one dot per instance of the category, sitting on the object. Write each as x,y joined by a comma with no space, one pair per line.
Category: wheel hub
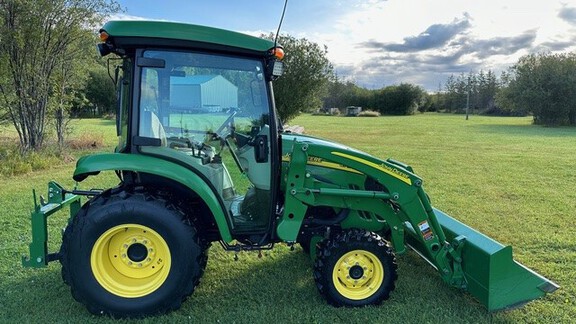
356,272
137,252
130,260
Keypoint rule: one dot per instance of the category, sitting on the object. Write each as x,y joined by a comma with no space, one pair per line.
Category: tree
478,90
38,42
455,93
343,94
487,88
306,76
100,90
69,79
403,99
543,84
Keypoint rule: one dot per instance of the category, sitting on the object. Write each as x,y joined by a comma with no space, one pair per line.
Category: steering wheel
227,124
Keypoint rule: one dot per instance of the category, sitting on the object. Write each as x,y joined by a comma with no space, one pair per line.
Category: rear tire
131,255
355,268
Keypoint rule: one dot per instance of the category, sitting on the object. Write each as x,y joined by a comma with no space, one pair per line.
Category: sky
377,43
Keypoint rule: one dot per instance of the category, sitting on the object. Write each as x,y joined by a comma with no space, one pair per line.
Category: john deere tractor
202,158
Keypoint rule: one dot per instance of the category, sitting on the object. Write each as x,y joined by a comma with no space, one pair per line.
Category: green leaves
100,91
544,85
41,57
303,84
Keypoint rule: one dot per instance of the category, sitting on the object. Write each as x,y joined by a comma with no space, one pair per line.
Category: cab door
211,113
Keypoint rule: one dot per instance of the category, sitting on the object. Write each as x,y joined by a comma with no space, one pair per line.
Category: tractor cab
210,111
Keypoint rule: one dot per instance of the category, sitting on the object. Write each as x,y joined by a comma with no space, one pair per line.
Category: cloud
426,50
459,53
558,44
483,48
568,14
434,36
425,69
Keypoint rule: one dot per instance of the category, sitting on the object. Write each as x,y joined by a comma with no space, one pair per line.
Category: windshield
195,95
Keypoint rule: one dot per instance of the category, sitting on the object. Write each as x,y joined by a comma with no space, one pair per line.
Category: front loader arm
402,205
464,257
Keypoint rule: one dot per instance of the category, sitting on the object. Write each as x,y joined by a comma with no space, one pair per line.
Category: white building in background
211,93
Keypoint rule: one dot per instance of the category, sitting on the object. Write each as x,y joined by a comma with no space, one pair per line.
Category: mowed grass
503,176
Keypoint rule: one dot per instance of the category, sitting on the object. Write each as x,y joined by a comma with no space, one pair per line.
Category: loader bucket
492,275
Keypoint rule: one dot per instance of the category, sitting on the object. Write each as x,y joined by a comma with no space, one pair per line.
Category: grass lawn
503,176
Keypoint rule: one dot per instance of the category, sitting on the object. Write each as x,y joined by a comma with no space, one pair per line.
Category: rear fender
93,164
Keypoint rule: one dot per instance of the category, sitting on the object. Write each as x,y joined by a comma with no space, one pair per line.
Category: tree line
542,85
401,99
49,72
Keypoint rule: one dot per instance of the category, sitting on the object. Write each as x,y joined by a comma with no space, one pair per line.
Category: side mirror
104,49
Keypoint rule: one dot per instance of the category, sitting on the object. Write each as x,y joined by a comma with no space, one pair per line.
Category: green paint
186,32
141,163
57,200
464,257
493,277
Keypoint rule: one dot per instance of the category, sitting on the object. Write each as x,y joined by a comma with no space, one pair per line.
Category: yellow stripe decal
321,163
334,166
380,167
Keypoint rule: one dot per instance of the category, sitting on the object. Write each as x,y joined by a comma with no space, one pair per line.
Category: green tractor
202,158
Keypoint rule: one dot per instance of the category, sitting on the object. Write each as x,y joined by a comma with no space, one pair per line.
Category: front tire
355,268
131,254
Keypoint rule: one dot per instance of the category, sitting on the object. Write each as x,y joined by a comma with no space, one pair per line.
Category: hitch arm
57,200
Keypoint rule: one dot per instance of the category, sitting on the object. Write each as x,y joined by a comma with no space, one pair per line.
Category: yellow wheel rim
358,274
130,260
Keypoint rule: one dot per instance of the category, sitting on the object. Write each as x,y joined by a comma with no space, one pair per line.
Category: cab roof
140,32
